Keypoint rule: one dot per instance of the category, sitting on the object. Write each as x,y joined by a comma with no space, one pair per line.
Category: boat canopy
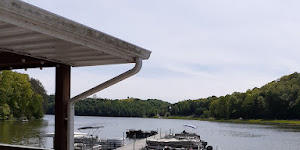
189,125
91,127
52,134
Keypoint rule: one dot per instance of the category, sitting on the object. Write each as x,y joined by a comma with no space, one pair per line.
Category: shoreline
241,121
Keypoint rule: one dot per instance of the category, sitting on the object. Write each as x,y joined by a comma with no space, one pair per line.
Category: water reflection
229,136
21,133
287,128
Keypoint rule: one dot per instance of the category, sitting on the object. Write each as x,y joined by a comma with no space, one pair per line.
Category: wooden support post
62,96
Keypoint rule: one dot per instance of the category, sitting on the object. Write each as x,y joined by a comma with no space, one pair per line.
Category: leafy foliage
38,88
17,97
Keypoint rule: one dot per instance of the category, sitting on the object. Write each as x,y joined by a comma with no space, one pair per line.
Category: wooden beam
10,61
62,96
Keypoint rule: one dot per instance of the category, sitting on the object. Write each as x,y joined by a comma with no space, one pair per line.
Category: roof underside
38,35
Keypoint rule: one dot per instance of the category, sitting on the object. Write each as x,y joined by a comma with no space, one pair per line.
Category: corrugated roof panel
31,31
24,41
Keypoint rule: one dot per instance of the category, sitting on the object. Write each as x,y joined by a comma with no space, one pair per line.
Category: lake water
227,136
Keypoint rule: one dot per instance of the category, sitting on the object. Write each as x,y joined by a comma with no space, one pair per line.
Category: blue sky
199,48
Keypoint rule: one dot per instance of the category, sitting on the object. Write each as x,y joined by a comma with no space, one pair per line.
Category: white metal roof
34,32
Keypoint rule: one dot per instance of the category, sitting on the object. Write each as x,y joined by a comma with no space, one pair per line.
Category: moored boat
87,139
139,134
183,141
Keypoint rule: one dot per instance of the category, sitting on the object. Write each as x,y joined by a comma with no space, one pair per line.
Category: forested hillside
279,99
130,107
20,96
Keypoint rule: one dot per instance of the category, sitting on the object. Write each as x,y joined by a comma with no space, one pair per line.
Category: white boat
24,120
87,139
90,141
77,135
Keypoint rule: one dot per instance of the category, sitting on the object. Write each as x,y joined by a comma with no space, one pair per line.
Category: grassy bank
244,121
260,121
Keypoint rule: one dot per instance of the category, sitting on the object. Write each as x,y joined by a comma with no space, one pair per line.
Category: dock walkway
138,144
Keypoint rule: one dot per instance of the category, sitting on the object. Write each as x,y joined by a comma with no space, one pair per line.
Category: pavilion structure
31,37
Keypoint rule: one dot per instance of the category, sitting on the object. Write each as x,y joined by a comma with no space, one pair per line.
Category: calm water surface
228,136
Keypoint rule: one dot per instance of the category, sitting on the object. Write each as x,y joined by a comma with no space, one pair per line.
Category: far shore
241,121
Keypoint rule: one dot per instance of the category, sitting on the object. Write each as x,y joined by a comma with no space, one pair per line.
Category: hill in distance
279,99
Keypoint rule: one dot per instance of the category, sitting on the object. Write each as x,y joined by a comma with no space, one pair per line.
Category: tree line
279,99
21,96
131,107
25,97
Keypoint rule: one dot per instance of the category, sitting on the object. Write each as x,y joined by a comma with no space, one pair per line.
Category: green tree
17,99
38,88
